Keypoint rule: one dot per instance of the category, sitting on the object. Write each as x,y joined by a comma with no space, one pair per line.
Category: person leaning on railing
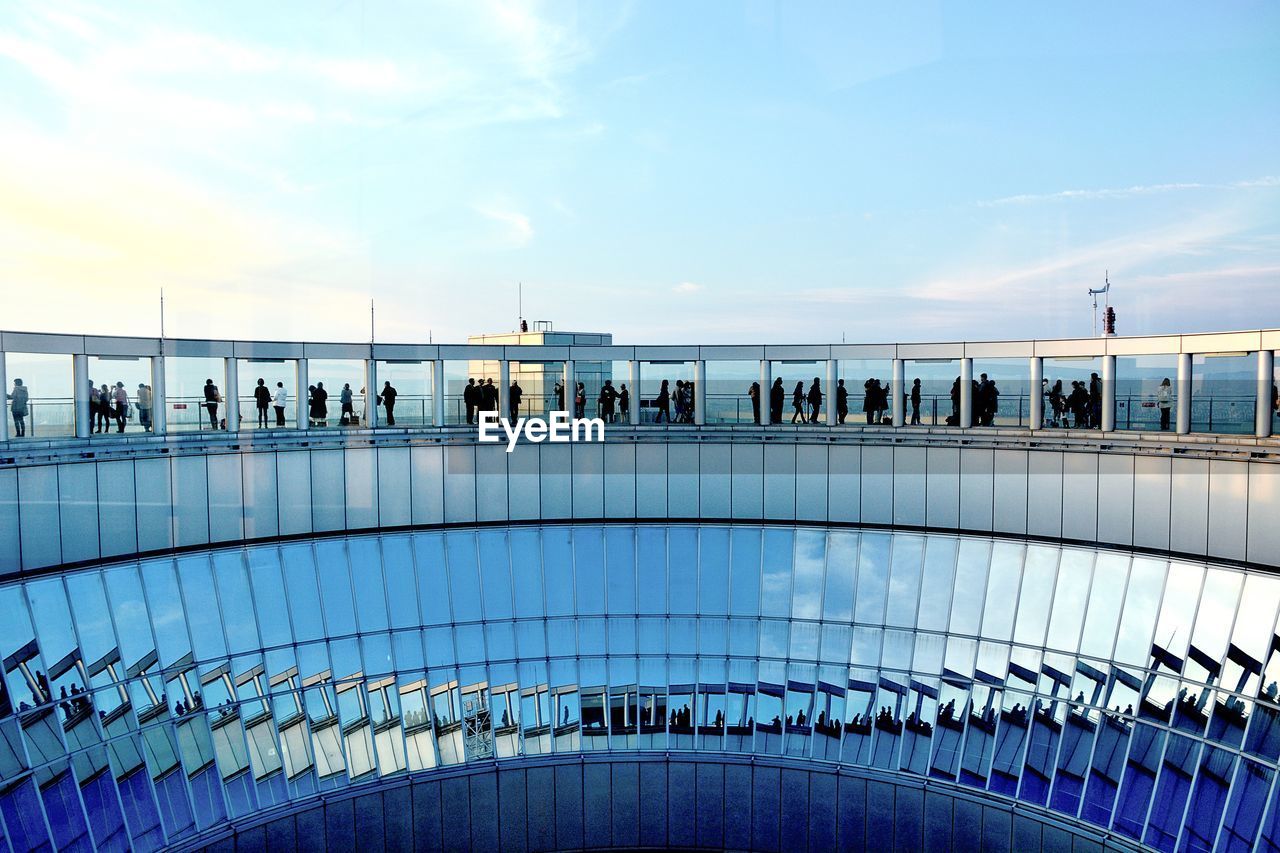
18,408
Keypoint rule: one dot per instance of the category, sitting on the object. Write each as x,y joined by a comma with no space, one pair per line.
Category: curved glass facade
148,701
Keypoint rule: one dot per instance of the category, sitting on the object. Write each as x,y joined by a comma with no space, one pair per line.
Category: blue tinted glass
935,585
237,603
682,569
133,626
778,549
304,597
335,587
620,567
495,574
651,569
268,592
203,615
873,578
588,567
433,578
165,602
842,568
744,587
526,572
557,570
402,585
810,563
713,571
370,589
904,580
93,620
464,576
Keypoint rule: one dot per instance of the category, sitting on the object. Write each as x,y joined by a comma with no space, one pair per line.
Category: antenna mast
162,321
1105,290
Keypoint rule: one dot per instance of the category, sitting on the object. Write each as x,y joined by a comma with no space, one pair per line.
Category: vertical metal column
4,409
966,393
699,392
830,394
633,386
371,392
766,382
1266,378
159,397
570,388
899,392
1037,392
231,395
1184,393
301,405
437,393
504,388
1108,393
79,395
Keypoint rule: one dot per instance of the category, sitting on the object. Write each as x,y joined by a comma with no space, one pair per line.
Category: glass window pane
842,567
122,399
1146,392
404,393
193,392
276,404
744,585
1223,392
932,393
39,400
1074,385
779,548
713,571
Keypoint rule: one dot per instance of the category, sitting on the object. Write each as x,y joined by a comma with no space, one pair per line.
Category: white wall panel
1189,508
190,501
38,516
153,491
117,514
1079,496
1115,499
393,487
811,482
620,480
524,491
556,481
427,484
1009,492
909,465
1044,493
780,481
261,499
328,487
1151,485
747,497
588,480
459,483
977,485
10,555
78,511
715,483
844,484
293,478
651,480
1228,508
1264,510
361,482
877,484
942,487
491,481
226,497
682,480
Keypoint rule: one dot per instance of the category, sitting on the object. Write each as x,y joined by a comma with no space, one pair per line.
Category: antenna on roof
1106,291
162,321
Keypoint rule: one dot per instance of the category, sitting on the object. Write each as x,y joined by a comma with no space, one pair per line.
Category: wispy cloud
1129,192
516,231
685,288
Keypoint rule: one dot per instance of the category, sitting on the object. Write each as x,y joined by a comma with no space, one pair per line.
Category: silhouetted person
144,403
514,395
320,405
777,398
211,398
1058,402
470,399
663,403
524,326
842,401
262,397
120,398
580,401
815,400
279,402
689,404
954,420
558,392
388,400
870,394
624,403
915,403
1164,400
753,393
608,398
797,403
104,409
347,414
679,401
19,399
1095,401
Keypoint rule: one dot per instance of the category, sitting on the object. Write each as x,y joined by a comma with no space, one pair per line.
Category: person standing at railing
1058,403
815,400
104,409
145,398
320,406
777,398
1095,401
122,406
212,396
93,406
663,402
608,395
280,400
262,397
954,420
20,397
624,403
387,399
579,401
515,394
915,403
754,393
797,403
469,400
347,415
842,401
1164,400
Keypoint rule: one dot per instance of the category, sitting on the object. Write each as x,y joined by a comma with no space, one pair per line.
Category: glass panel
734,395
1075,392
866,385
193,392
935,384
1223,392
1002,397
470,387
1146,392
268,390
605,390
797,385
666,392
39,399
404,393
122,399
335,392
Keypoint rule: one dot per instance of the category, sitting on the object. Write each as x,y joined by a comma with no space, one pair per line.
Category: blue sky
719,172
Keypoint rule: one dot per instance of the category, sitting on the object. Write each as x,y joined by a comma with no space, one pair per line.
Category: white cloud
516,230
1129,192
686,287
